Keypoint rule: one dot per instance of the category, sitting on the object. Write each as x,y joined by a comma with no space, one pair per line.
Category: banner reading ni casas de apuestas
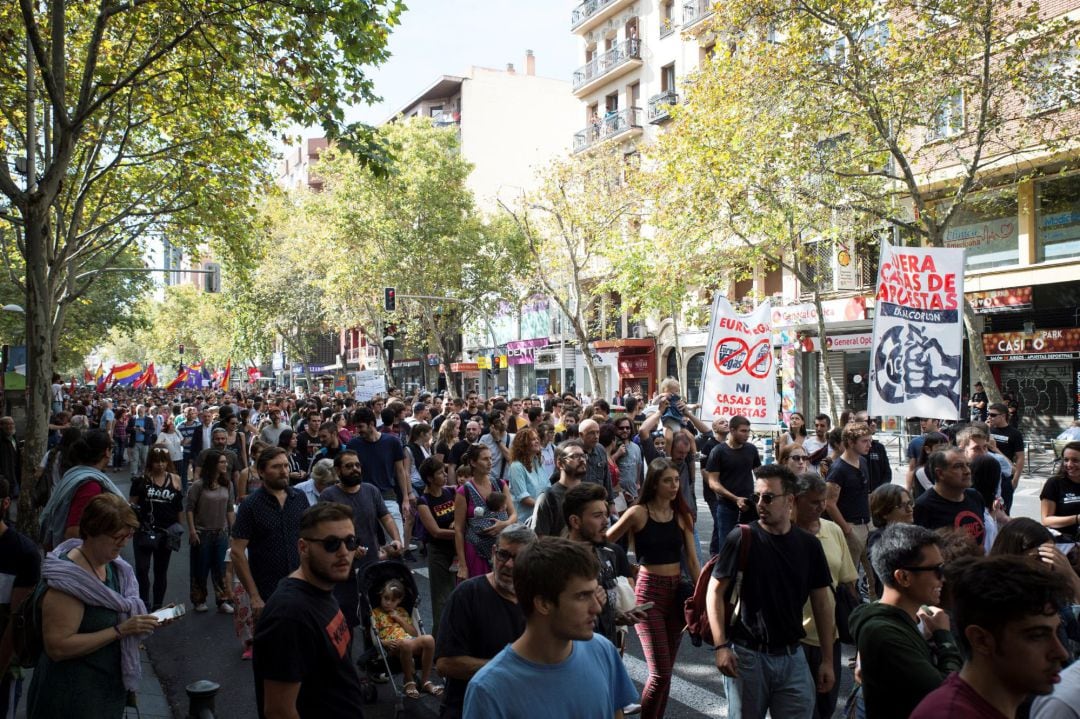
740,372
918,345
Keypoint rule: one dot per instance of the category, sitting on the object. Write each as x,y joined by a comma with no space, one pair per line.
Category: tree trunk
39,360
980,368
678,351
824,358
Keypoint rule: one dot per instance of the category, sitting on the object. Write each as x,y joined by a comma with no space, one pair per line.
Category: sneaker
631,709
201,607
246,654
412,547
225,608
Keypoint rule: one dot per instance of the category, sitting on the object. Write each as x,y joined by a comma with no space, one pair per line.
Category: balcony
621,123
659,106
617,61
445,119
695,11
591,13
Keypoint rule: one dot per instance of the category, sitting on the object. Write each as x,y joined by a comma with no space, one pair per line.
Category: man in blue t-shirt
558,667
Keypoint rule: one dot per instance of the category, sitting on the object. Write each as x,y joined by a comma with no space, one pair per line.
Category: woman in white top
172,440
796,430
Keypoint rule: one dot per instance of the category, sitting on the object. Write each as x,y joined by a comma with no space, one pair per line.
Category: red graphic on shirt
338,633
972,524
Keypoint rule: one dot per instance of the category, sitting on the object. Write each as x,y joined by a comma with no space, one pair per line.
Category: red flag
253,374
104,381
180,379
225,377
87,375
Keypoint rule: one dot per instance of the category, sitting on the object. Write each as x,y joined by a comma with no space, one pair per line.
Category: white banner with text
740,372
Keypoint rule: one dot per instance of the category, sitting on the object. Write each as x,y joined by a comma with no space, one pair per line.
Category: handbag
148,538
845,605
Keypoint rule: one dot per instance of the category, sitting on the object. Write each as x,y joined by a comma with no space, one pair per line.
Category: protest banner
918,343
369,384
740,371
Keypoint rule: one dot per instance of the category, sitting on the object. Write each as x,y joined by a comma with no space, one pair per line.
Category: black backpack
26,634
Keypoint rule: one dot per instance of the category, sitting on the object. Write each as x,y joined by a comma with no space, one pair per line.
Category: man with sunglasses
301,659
759,650
899,667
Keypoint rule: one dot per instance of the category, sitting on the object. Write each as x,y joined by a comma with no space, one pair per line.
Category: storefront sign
406,363
845,266
636,365
740,372
850,309
1012,299
918,343
464,366
483,362
841,343
524,351
1051,344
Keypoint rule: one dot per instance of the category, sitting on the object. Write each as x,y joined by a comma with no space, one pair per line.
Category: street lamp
13,308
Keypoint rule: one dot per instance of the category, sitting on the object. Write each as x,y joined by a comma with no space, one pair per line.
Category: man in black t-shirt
472,436
480,618
301,658
847,496
20,569
1010,442
729,471
760,654
951,502
706,441
877,459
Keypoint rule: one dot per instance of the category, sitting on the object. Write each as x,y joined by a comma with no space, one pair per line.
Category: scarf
54,516
67,577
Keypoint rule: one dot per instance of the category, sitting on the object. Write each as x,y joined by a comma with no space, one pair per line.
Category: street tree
893,116
135,118
581,206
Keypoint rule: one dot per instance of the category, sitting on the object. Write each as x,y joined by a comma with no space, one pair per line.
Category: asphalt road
204,646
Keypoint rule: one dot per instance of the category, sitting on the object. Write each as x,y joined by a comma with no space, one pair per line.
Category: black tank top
659,542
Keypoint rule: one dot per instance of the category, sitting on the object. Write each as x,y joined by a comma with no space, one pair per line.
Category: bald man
596,458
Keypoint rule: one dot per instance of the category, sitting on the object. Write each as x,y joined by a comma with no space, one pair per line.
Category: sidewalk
152,701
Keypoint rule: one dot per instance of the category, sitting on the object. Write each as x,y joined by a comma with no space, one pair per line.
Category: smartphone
166,613
1065,547
643,607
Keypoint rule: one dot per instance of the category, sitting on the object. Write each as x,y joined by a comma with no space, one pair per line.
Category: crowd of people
550,530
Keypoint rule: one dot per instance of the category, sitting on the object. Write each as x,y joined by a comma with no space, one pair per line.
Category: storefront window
1057,218
671,365
694,369
856,369
987,227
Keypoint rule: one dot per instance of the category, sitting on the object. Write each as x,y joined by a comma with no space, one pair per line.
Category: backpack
26,635
696,608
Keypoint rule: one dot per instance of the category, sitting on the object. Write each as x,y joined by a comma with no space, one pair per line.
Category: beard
351,480
276,483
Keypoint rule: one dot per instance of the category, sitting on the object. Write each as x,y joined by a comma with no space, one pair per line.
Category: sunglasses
993,414
937,569
765,497
504,555
332,544
800,457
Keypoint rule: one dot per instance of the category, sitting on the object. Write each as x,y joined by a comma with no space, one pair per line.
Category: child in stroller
398,634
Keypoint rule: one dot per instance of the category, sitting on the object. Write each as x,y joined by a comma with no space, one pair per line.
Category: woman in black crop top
662,527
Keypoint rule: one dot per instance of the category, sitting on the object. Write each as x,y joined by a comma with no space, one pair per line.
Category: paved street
204,646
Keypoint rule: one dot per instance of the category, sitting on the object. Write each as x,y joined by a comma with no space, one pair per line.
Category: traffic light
212,279
389,299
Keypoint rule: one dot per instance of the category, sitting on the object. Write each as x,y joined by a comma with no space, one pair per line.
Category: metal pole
487,323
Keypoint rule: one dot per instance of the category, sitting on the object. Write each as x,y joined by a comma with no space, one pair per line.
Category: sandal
433,689
410,690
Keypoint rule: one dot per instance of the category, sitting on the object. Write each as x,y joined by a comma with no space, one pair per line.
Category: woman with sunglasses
794,457
210,518
889,504
91,620
661,526
158,500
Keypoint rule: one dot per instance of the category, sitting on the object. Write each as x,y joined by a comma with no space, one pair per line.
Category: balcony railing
586,10
604,63
445,119
696,10
659,106
612,124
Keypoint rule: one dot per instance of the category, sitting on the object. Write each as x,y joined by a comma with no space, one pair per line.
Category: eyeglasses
623,428
576,455
906,505
765,497
937,569
124,535
800,457
332,544
504,555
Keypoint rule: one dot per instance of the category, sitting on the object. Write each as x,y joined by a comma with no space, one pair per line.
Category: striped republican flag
148,378
126,374
179,381
226,375
103,381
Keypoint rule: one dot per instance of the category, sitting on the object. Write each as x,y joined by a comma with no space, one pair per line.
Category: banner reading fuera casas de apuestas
740,372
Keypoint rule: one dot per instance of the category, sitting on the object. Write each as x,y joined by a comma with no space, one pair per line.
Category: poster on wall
918,338
740,371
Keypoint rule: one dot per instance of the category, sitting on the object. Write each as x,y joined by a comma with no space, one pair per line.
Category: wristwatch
724,645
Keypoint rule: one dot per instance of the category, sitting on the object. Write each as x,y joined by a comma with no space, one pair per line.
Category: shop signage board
918,338
1042,344
1012,299
848,309
740,368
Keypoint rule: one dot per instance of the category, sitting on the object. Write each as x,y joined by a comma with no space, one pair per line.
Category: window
667,78
631,29
611,102
986,225
707,52
1057,218
949,119
1054,82
667,17
633,94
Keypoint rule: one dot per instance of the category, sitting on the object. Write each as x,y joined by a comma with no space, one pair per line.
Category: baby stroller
370,580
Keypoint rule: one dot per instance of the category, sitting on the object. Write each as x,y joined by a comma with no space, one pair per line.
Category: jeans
1007,493
119,449
395,513
139,454
160,554
182,470
778,684
11,689
208,556
726,520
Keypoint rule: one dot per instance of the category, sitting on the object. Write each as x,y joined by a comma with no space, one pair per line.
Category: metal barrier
201,699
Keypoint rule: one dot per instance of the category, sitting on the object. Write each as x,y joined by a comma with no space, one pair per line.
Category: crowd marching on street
549,528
